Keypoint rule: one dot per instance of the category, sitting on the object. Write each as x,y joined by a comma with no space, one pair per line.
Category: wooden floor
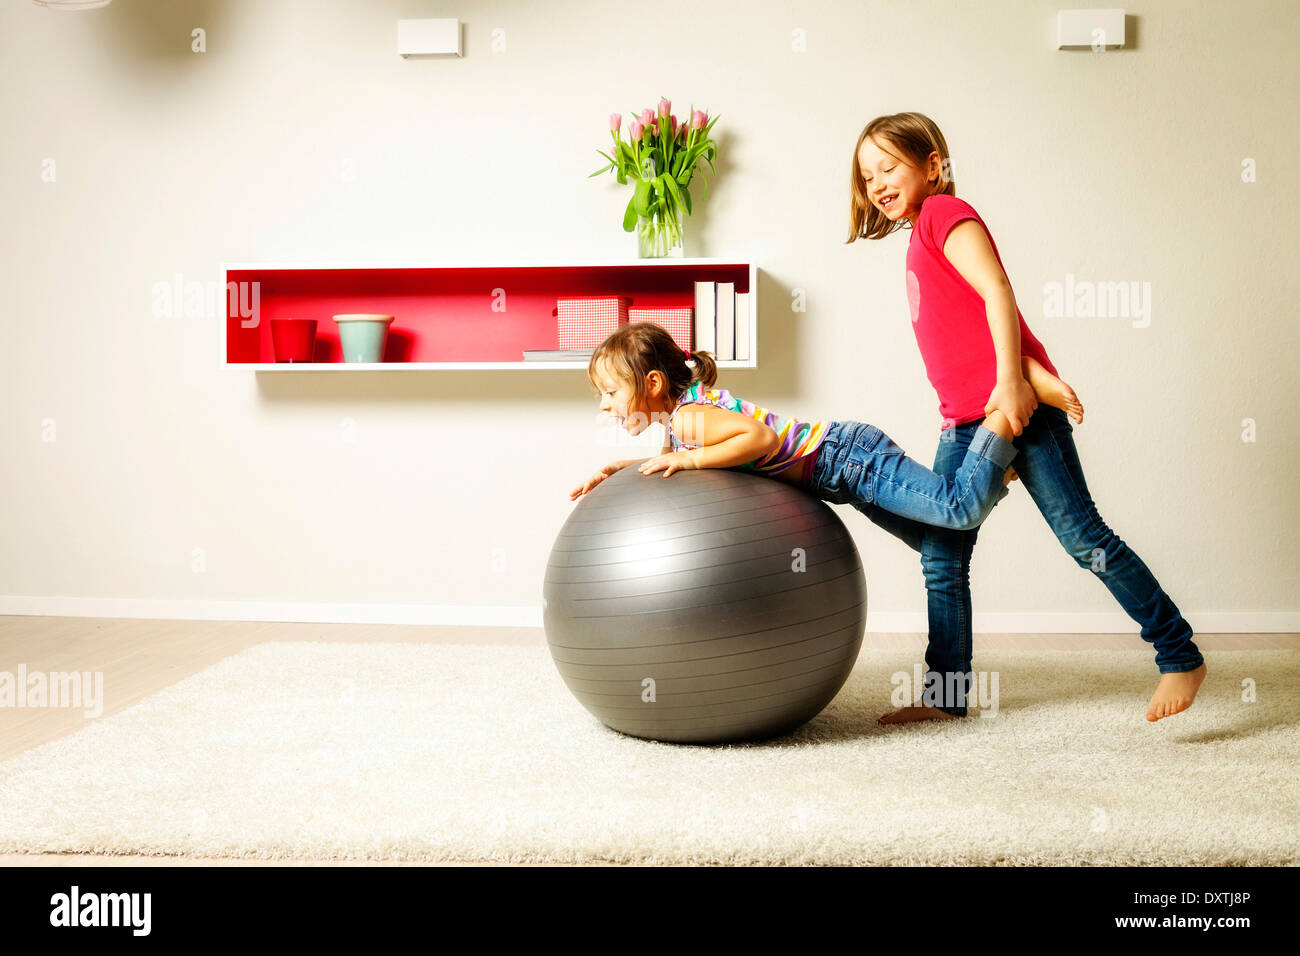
141,657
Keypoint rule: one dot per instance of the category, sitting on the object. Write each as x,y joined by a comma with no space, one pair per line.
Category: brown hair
911,137
635,350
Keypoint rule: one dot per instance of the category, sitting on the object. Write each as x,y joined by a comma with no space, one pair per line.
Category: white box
418,37
1086,27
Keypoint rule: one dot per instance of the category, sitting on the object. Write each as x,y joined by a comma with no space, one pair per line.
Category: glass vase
659,235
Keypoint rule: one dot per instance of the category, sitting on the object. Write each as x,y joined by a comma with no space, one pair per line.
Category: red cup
295,339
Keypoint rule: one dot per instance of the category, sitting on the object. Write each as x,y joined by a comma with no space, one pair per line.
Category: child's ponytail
705,371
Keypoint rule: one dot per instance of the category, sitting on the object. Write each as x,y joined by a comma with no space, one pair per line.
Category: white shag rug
479,752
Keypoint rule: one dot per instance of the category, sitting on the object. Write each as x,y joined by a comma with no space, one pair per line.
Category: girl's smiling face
895,186
617,399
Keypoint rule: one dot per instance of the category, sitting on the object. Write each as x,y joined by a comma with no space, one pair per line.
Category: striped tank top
793,459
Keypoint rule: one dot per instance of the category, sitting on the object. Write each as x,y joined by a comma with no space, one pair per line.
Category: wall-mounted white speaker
1090,28
424,37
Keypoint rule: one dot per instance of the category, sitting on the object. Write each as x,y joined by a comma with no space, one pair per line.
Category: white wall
1123,166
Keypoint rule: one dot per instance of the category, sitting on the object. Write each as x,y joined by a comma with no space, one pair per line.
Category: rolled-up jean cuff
991,445
1181,668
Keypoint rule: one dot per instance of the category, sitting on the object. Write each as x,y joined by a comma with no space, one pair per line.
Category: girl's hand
1015,398
590,483
676,461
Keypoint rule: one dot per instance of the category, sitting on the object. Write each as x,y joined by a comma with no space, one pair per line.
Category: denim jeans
1048,467
858,464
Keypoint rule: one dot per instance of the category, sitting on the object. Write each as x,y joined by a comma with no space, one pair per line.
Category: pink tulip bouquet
661,160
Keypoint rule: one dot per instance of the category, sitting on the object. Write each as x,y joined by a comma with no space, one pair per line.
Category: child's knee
969,521
1089,544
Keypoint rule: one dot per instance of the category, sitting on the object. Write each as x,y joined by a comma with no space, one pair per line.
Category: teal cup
363,336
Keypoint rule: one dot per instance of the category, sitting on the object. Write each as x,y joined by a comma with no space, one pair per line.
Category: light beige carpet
479,752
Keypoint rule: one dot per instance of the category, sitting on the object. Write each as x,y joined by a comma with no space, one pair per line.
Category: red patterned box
680,322
585,323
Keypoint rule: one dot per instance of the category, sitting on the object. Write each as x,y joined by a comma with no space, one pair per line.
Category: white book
567,352
726,321
742,326
706,339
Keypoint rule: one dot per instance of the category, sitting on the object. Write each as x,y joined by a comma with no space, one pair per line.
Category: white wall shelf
445,316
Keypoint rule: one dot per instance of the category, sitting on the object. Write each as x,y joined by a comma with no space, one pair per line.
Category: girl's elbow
1000,294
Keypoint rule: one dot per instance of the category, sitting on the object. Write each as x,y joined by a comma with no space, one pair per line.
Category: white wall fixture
421,37
1097,29
73,4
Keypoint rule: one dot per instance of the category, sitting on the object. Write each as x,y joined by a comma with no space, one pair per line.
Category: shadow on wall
158,32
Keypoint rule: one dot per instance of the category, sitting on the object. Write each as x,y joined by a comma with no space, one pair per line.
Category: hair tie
686,352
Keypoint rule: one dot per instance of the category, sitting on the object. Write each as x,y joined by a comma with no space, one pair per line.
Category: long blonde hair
911,137
634,350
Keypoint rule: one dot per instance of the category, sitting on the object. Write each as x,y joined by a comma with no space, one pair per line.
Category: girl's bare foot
1051,389
1175,693
906,715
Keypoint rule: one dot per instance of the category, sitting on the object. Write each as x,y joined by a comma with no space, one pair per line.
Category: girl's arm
967,248
616,466
726,438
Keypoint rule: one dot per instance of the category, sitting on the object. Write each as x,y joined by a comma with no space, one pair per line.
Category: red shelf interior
446,314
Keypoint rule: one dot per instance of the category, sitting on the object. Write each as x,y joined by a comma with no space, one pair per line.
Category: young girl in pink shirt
973,341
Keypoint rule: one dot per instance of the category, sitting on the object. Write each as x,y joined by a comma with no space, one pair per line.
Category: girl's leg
828,484
945,562
877,472
1049,469
945,556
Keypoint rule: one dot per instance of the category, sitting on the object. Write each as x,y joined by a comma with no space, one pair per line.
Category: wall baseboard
530,615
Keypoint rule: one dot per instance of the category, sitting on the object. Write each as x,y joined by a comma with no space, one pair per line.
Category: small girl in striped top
642,377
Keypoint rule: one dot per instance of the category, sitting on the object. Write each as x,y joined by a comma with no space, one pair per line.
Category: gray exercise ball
710,606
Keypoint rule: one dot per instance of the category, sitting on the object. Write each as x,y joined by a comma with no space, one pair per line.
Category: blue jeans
1048,466
858,464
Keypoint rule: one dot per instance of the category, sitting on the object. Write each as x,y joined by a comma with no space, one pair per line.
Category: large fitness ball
709,606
